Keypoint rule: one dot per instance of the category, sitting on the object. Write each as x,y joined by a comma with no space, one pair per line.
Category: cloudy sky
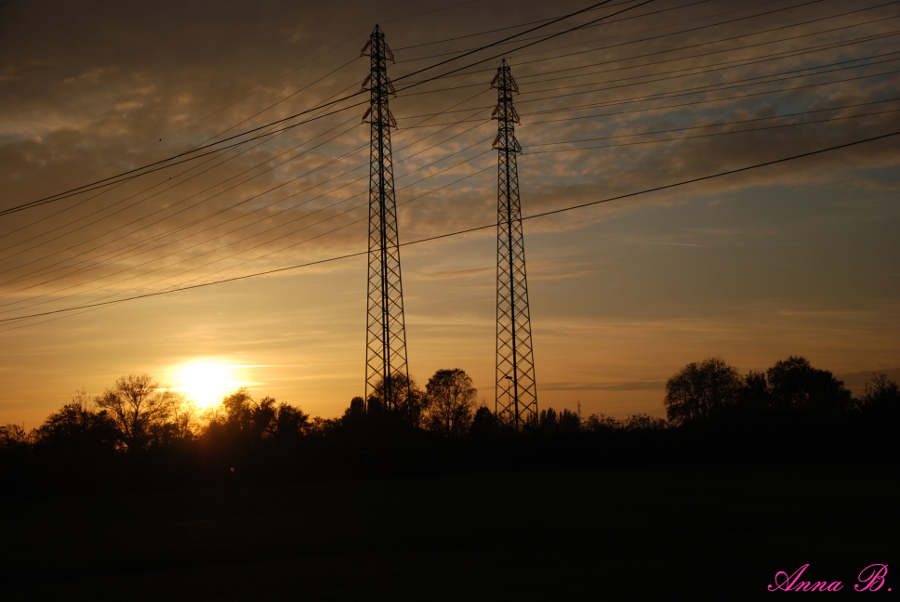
800,257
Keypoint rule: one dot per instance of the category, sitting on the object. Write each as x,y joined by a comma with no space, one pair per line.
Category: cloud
455,273
677,244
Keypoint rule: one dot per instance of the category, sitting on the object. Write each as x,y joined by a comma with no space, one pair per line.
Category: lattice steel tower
385,328
516,403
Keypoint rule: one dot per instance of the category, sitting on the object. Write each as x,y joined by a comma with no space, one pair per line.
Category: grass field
622,533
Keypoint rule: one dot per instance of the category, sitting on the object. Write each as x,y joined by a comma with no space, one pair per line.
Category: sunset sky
797,258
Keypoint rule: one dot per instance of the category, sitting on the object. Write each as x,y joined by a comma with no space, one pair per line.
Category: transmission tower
516,403
385,327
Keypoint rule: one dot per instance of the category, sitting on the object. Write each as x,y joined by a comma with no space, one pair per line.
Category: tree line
137,433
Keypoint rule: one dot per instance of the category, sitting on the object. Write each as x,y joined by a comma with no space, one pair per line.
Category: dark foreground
620,533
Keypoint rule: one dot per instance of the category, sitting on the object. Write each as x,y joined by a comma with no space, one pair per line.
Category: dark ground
619,533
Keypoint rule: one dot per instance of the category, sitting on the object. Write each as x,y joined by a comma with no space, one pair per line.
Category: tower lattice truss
386,364
516,389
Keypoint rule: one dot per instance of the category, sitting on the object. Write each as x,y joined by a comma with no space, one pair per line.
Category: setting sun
206,382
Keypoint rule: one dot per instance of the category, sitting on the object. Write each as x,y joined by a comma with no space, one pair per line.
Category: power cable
684,47
853,59
499,29
136,172
656,28
474,229
267,217
705,69
724,67
165,234
691,137
726,123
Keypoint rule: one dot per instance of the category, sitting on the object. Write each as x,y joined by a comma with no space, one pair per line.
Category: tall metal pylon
385,327
516,404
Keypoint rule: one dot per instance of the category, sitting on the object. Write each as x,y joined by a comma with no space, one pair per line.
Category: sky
800,257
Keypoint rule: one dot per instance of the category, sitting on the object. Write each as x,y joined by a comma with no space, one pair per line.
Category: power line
602,147
726,66
715,87
685,47
678,138
162,164
466,177
692,91
691,30
572,28
242,227
692,74
661,27
703,70
201,192
184,156
256,246
496,30
720,40
507,39
691,103
726,123
166,208
166,234
473,229
268,84
359,104
174,185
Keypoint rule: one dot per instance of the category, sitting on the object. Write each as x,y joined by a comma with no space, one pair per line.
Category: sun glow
206,382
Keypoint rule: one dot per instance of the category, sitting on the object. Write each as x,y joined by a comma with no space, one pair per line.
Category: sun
206,382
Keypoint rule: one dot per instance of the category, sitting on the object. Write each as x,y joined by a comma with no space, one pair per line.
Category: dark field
642,533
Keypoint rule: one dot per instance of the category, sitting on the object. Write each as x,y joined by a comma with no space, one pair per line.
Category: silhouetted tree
77,428
356,413
451,402
407,403
255,440
547,421
569,422
238,407
247,420
795,385
290,422
643,422
13,436
754,393
138,408
262,416
699,391
881,398
484,423
552,422
601,423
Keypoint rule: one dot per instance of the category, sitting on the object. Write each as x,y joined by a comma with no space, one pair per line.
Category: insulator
511,84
